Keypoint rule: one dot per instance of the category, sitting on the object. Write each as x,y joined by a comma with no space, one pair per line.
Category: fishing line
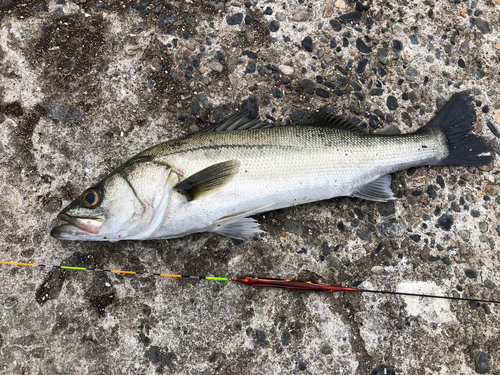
254,281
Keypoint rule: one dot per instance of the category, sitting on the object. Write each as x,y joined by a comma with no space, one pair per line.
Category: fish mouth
77,226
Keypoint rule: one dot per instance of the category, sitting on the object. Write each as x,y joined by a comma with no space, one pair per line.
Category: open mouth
86,224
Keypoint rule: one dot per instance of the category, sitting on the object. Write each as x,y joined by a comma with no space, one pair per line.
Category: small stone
431,192
171,19
362,65
461,63
326,350
491,189
322,92
489,284
362,47
328,9
251,67
277,93
470,273
297,115
496,113
302,366
412,72
286,70
350,17
445,222
465,235
307,85
374,121
378,270
215,66
195,108
483,26
364,234
307,44
446,260
301,16
248,19
268,11
383,55
482,363
413,39
261,336
336,25
408,52
204,101
274,26
392,103
286,338
340,4
425,253
386,208
397,45
235,19
219,113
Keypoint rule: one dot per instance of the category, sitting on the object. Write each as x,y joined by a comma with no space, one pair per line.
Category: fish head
122,206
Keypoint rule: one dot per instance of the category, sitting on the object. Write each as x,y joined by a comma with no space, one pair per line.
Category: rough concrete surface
85,84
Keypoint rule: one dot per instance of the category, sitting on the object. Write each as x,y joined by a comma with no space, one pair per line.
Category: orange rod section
129,272
167,275
20,264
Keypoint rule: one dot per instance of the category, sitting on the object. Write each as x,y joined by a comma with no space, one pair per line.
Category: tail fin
456,120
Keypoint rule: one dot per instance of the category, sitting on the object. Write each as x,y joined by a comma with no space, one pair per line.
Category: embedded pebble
482,363
470,273
274,26
215,66
445,222
301,16
286,70
392,103
307,44
362,47
233,20
378,270
297,115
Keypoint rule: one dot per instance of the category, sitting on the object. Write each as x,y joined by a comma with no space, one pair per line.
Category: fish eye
91,198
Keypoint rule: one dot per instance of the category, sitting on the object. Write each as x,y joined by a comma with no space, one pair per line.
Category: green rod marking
74,268
217,278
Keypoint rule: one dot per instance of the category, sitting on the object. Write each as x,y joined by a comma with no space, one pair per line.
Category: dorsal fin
327,117
240,121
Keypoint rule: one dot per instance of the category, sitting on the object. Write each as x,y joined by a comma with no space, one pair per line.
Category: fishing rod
256,282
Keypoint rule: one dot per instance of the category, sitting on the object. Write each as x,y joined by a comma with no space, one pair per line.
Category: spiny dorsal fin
208,180
327,117
240,121
378,190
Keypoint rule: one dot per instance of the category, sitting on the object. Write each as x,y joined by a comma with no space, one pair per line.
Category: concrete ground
85,84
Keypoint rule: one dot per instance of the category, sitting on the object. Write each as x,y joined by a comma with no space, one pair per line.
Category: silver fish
214,180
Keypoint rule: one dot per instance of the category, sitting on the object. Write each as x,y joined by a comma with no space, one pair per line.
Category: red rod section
294,284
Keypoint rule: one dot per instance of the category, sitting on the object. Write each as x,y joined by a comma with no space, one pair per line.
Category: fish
216,179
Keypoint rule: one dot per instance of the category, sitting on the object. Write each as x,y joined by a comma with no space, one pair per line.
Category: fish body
214,181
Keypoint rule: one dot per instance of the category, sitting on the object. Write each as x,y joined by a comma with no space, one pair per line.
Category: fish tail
456,120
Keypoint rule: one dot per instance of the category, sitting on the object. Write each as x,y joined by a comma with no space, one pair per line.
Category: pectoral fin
208,180
378,190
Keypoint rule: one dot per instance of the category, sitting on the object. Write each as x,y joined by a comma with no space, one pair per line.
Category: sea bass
212,181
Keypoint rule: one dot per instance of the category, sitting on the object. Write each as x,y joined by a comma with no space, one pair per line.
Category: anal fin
378,190
240,226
